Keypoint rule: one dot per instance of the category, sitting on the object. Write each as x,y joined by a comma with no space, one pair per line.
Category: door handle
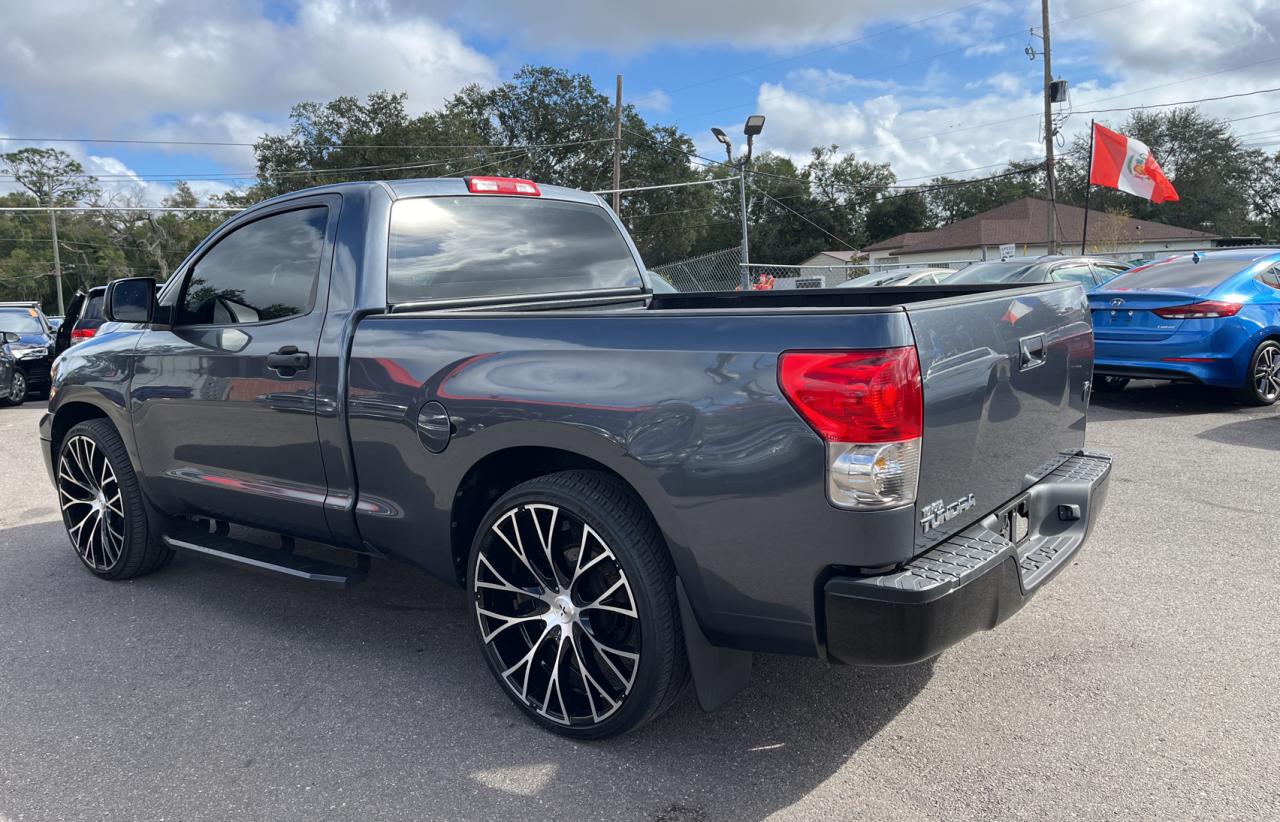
289,359
1033,352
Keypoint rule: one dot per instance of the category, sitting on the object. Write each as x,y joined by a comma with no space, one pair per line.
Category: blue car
1211,318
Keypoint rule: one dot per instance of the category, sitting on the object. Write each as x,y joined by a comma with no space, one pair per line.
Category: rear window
1181,272
991,272
93,307
482,246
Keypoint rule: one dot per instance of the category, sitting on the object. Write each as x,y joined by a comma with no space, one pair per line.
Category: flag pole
1088,186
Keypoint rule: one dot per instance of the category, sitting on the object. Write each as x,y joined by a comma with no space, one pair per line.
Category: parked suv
33,351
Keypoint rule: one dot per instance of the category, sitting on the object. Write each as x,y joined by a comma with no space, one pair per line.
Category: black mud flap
718,673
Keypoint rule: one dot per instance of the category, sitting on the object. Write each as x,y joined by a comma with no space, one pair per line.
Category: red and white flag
1125,163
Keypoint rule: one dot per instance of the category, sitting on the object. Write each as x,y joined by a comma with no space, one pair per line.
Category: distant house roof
832,257
1025,222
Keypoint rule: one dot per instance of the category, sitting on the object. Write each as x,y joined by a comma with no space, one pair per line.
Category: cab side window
264,270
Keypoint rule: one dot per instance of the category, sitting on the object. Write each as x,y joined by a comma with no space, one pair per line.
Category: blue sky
930,86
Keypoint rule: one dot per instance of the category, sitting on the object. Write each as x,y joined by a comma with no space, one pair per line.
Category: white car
911,276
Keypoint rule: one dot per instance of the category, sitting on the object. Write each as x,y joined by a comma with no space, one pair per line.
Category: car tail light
503,185
81,334
869,407
1207,310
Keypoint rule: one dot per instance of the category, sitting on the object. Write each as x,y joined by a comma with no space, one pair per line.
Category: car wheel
17,389
109,522
1110,385
1262,381
574,597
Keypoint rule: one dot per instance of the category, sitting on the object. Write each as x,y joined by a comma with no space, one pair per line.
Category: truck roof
432,187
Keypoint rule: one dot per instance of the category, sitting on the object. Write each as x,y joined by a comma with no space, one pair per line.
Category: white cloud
656,100
200,68
628,26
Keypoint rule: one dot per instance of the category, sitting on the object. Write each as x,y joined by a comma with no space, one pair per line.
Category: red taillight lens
503,185
856,396
83,333
1207,310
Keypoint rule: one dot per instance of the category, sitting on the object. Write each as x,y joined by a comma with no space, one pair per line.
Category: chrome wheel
1266,374
557,614
92,505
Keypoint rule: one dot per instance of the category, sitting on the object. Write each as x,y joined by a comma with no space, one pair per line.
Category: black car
33,351
1088,271
7,361
83,319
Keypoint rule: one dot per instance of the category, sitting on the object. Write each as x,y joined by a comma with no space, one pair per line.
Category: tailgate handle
1033,352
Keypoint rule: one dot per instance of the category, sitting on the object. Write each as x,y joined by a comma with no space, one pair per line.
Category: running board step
198,541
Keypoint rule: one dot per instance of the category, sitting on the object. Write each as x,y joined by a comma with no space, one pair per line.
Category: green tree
1206,163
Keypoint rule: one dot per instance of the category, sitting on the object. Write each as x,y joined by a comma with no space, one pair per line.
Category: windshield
995,271
878,280
21,321
1180,272
450,247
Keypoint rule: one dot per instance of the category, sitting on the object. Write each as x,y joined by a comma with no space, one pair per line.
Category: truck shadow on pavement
1145,399
210,692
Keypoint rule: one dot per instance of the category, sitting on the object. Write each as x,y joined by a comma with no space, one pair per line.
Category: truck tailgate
1005,378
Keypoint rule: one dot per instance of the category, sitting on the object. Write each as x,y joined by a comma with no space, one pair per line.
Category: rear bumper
971,582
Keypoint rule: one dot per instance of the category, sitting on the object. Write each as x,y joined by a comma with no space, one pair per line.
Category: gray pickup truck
636,490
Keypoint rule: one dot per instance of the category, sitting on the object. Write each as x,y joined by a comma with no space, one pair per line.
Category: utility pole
617,149
57,261
1049,176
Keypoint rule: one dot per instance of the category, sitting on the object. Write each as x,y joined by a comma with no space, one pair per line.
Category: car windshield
20,321
879,280
995,271
1181,272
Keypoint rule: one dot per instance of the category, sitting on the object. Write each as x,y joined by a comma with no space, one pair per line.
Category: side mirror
132,300
11,337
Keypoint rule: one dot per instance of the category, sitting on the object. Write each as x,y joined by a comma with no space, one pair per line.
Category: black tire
623,553
17,390
1262,379
123,531
1110,385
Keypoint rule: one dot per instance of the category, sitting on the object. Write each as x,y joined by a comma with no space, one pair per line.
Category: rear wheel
17,389
108,521
1110,385
574,598
1262,380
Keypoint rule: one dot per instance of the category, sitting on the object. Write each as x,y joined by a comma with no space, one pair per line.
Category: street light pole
57,261
753,126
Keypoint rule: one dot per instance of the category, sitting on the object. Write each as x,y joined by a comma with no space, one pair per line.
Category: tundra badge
936,513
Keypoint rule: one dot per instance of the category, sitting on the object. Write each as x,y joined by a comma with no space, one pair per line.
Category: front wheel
1262,382
17,389
574,596
108,521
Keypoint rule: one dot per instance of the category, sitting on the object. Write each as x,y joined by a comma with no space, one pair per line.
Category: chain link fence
717,271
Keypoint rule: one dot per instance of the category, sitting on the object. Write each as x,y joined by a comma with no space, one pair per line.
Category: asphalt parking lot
1141,684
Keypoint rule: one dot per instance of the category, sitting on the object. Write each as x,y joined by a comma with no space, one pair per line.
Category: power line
1180,102
251,145
666,185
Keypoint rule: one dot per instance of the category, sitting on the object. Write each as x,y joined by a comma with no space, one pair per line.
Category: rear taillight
869,407
81,334
1207,310
503,185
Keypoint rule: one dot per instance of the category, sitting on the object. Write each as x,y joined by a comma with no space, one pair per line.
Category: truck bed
680,397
